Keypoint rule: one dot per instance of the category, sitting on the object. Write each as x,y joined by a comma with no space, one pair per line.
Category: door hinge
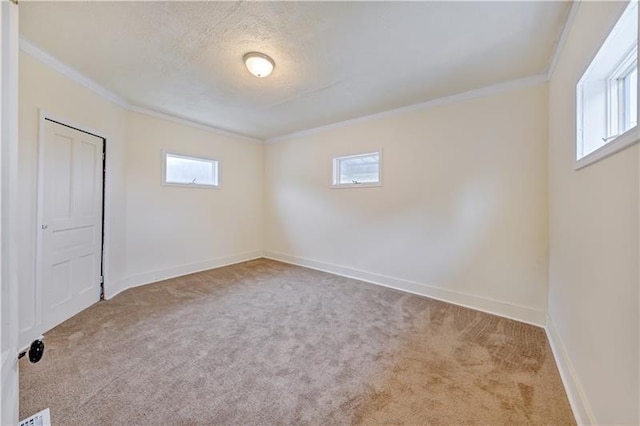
101,279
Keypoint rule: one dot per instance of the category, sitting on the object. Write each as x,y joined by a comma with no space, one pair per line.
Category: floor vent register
43,418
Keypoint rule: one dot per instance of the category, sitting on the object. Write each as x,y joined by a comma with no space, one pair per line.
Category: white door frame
44,115
8,212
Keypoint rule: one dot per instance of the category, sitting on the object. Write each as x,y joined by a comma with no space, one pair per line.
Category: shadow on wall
429,238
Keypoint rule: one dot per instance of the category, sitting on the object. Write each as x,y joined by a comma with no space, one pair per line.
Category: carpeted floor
263,342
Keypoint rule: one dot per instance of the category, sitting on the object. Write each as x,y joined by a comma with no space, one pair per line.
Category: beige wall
154,231
461,215
593,244
42,88
175,229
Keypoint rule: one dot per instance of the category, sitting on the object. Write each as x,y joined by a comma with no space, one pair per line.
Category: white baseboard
496,307
575,392
178,271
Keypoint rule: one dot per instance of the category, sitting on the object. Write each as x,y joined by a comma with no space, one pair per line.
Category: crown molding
31,49
36,52
488,90
191,123
446,100
563,37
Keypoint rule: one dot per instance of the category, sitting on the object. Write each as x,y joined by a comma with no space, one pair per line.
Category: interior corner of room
263,175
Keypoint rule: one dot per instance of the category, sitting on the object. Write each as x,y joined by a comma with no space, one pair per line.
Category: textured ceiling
334,60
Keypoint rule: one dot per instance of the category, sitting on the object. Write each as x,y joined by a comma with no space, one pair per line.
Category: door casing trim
106,207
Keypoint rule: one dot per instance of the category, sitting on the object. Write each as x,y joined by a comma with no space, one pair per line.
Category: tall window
607,94
357,170
183,170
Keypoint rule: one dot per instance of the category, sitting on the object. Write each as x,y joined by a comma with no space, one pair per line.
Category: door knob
45,226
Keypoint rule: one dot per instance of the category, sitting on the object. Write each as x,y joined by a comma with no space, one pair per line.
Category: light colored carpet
263,342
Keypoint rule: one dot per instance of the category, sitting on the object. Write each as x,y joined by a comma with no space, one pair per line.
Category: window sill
356,185
623,141
191,185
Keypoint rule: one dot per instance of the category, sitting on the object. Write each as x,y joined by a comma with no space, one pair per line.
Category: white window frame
616,94
335,173
614,142
190,157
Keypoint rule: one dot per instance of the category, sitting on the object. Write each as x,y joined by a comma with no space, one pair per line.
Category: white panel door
71,241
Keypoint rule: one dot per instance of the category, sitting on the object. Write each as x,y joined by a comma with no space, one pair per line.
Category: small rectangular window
183,170
357,170
607,94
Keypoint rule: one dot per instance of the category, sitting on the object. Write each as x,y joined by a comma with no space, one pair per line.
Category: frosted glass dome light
259,64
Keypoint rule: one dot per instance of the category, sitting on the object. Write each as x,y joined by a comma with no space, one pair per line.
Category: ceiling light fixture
259,64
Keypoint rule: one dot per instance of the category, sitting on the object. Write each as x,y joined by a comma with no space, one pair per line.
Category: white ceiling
334,60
